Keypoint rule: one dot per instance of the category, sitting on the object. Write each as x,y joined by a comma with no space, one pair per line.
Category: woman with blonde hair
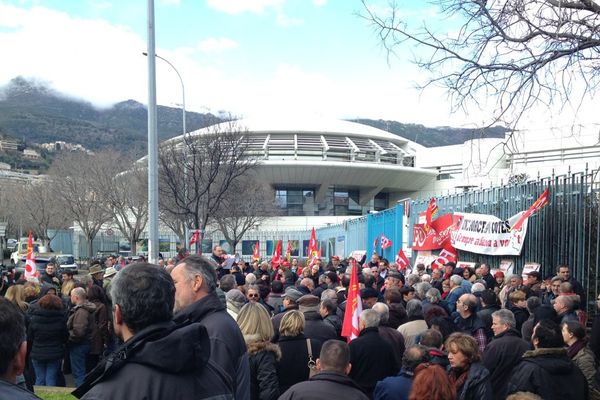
256,326
16,295
293,366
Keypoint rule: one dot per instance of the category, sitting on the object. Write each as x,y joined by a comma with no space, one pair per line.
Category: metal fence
566,231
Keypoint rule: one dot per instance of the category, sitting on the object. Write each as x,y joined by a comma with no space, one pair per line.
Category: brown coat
81,322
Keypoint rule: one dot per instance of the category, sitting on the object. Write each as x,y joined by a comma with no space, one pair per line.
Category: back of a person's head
227,283
543,312
524,396
254,322
12,333
432,383
413,356
548,335
489,298
431,338
414,308
334,356
50,302
277,287
393,296
370,318
145,294
96,293
200,265
292,323
384,312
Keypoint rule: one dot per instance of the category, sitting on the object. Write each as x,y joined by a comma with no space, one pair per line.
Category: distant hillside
431,137
35,114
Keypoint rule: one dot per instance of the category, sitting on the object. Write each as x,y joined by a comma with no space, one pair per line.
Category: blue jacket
453,298
394,387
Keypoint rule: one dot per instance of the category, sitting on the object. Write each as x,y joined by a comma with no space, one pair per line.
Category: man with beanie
290,302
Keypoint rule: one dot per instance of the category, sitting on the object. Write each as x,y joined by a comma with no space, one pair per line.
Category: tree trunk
89,245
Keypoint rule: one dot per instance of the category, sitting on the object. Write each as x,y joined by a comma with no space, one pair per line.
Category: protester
575,338
293,365
468,376
468,322
416,324
100,334
255,324
155,360
398,387
371,355
13,351
235,302
547,370
196,301
315,327
81,327
504,351
290,302
391,335
332,380
431,383
434,341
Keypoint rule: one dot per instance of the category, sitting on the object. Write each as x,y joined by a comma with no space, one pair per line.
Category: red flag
375,243
539,203
195,237
276,258
447,254
402,261
30,267
431,211
256,252
350,327
288,252
312,243
314,259
385,242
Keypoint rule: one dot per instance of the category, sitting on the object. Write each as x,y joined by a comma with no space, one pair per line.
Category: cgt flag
447,254
312,244
538,204
385,242
288,252
276,259
402,261
30,267
350,327
256,251
431,211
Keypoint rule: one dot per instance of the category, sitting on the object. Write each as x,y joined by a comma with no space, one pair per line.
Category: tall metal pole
152,142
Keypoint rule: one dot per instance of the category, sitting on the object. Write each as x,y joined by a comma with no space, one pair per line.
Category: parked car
11,244
40,264
66,262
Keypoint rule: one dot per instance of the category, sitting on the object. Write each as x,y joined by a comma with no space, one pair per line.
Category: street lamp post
186,228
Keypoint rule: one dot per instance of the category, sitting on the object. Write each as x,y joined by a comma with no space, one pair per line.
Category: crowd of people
203,327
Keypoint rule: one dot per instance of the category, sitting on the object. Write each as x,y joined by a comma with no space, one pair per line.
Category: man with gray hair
504,351
196,301
155,361
398,387
391,335
456,290
371,355
467,320
433,301
416,323
421,289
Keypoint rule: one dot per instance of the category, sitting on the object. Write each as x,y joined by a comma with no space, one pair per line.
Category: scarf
458,377
576,348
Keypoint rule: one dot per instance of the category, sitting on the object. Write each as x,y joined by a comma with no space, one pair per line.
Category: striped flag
350,327
30,267
538,204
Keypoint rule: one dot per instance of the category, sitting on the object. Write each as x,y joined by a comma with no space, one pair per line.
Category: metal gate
566,231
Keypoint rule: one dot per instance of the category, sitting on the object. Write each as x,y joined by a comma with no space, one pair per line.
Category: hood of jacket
51,315
86,305
196,311
257,346
166,347
553,360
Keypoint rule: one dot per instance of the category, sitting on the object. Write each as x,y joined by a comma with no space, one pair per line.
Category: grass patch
54,393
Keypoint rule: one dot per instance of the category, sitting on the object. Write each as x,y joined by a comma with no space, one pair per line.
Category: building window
381,202
296,201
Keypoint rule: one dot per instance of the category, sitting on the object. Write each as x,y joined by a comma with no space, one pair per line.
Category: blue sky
248,57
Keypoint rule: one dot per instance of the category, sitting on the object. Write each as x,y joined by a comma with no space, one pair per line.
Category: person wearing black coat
504,352
47,334
470,378
315,327
371,356
548,371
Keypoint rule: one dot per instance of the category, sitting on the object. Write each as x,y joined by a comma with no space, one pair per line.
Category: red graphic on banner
437,235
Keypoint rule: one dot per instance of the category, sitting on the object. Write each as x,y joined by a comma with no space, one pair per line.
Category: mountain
431,137
36,114
33,113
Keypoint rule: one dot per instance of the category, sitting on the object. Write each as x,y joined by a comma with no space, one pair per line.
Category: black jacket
163,361
264,383
372,359
336,322
47,333
485,314
227,346
501,356
550,374
325,385
477,386
316,328
594,342
293,366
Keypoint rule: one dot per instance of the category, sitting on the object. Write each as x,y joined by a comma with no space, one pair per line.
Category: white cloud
212,45
284,20
240,6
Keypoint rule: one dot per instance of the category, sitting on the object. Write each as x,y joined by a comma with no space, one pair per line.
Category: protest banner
435,236
487,234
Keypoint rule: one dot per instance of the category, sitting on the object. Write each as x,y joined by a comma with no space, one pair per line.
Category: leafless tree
197,171
39,210
245,206
518,53
73,177
124,185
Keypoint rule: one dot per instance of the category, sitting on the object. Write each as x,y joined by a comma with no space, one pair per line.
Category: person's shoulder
14,392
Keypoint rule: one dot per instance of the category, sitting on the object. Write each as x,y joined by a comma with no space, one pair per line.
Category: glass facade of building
300,201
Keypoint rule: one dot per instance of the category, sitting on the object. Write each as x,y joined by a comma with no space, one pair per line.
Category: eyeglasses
252,295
